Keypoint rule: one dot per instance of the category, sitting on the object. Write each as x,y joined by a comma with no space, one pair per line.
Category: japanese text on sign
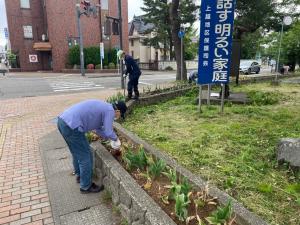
215,41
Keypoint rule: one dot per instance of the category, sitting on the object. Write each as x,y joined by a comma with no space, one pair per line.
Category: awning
42,46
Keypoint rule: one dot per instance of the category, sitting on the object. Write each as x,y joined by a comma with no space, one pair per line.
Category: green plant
186,187
263,98
169,68
156,168
107,197
174,190
136,161
111,65
181,204
171,174
98,66
221,216
265,188
114,98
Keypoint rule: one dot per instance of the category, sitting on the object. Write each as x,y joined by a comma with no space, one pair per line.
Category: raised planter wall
135,204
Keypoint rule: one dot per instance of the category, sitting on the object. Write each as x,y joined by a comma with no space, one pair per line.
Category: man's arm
107,131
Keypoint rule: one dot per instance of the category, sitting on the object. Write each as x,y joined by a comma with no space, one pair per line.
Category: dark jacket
132,68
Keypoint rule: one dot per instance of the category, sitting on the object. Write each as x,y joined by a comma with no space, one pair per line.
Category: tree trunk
171,44
175,27
165,49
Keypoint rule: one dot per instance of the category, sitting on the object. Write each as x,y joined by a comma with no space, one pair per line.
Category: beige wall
141,52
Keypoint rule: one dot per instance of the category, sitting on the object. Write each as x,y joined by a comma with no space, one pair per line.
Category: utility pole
78,14
121,42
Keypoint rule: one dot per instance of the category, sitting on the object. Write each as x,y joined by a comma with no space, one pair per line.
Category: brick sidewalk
23,191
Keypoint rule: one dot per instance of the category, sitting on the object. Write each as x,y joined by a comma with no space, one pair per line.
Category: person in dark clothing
134,72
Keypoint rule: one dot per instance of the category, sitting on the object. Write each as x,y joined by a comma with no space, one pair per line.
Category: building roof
140,26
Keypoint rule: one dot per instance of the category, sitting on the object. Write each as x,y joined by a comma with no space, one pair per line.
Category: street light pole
78,14
279,51
121,42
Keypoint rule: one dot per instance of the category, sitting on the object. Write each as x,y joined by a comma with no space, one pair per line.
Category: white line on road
140,82
76,89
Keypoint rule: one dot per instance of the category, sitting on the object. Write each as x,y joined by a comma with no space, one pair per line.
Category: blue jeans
80,150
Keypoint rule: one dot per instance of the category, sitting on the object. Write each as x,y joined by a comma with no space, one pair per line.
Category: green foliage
114,98
98,66
156,168
89,136
251,43
137,160
263,98
293,188
186,187
181,204
111,66
91,56
171,174
221,215
265,188
169,68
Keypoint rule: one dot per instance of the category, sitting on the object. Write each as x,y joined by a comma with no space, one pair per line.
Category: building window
132,42
28,32
104,4
132,54
25,4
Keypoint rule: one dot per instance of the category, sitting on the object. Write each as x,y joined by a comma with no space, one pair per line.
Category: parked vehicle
249,66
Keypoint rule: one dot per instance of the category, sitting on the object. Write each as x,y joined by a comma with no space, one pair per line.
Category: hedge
91,56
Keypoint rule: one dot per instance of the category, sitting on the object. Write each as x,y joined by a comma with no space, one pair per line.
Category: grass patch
237,150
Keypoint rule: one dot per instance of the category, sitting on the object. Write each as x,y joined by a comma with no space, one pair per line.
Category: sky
2,22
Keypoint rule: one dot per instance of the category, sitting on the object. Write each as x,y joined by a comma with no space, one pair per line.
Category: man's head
120,109
121,54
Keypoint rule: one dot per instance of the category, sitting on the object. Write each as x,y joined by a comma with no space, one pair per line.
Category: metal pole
80,40
181,72
121,42
200,98
223,97
279,51
208,94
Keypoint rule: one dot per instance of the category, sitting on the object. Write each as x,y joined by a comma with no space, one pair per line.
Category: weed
156,168
221,215
107,197
124,222
263,98
265,188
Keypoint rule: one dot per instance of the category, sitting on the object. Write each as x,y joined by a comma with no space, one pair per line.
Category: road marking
140,82
59,85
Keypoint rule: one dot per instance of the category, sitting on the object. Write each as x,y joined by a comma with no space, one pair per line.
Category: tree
181,13
167,19
191,47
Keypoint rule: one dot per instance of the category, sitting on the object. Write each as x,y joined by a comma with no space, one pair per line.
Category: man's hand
124,75
115,144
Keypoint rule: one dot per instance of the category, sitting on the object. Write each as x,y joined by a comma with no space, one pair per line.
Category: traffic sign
181,34
33,58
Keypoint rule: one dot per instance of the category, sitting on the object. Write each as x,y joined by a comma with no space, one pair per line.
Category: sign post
215,43
101,54
181,36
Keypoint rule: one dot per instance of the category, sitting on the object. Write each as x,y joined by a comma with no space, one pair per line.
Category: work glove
115,144
124,75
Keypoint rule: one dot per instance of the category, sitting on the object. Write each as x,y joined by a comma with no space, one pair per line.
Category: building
42,31
138,32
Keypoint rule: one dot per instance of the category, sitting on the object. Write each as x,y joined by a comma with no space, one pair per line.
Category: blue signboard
215,44
6,33
181,34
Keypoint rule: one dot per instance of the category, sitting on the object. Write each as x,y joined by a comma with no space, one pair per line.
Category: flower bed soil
158,189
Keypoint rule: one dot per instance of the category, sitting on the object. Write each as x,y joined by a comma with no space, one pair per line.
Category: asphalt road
28,85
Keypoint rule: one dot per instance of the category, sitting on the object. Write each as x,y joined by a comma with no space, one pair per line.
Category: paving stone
98,215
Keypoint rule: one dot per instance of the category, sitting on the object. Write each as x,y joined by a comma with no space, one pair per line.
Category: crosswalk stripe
77,89
65,86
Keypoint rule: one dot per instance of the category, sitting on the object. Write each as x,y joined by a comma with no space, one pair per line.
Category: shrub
98,66
168,68
111,66
74,56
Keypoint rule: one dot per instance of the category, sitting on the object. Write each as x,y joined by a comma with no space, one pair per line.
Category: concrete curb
244,216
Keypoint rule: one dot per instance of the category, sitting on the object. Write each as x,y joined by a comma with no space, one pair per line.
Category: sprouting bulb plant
181,205
136,161
171,174
156,168
221,216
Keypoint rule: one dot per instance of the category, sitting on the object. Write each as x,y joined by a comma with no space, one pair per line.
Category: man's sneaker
78,179
93,189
